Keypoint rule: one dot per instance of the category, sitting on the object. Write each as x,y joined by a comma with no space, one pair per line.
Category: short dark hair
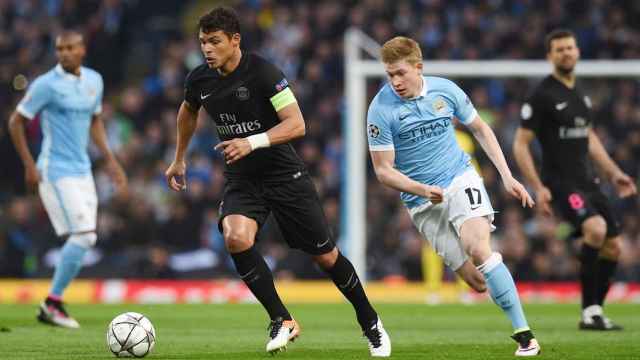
557,34
221,18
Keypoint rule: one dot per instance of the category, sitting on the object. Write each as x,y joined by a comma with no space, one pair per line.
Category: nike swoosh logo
322,244
403,116
475,207
203,96
561,106
247,274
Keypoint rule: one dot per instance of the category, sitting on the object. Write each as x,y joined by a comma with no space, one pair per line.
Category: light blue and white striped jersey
421,133
66,104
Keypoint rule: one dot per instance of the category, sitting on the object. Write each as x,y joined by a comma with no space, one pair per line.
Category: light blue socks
503,291
68,267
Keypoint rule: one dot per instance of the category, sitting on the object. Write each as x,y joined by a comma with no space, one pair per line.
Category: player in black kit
257,116
559,115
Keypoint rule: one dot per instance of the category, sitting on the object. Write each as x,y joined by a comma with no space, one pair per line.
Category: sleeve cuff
470,118
24,112
385,147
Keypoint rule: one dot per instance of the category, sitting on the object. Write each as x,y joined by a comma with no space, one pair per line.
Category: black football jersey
240,105
561,118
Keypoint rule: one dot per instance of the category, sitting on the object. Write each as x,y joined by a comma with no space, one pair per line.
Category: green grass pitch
328,332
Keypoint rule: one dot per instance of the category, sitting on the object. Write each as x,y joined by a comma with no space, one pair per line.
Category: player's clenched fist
175,176
234,149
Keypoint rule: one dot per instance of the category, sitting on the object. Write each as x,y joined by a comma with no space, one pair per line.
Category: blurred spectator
145,48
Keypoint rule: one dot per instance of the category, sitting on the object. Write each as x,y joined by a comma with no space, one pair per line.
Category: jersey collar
68,76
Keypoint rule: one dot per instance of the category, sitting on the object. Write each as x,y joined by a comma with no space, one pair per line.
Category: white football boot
379,342
281,332
53,312
527,344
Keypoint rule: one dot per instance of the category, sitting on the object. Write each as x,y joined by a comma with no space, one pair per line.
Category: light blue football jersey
421,132
66,104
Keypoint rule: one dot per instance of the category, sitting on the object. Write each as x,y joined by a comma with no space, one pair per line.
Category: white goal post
358,70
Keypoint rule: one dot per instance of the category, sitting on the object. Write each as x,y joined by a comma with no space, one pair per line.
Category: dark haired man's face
564,54
70,51
217,47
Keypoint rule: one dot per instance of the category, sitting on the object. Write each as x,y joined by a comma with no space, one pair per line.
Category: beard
565,69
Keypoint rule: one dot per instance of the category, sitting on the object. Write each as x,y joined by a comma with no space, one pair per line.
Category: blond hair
401,48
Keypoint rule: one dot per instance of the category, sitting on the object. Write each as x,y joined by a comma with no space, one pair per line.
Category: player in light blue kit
414,150
69,101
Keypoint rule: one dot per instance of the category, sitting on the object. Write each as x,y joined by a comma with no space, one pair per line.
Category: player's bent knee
595,231
236,241
86,240
326,261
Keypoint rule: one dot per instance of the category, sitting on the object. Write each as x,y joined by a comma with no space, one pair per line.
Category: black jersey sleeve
533,112
272,80
191,95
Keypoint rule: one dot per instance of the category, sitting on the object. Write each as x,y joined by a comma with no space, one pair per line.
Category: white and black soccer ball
131,335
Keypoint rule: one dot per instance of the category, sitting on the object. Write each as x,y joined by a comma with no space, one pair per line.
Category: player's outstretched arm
624,184
487,139
16,130
187,122
99,137
390,176
524,159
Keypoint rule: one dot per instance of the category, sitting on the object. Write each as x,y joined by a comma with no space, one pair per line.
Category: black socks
344,276
606,270
253,270
588,272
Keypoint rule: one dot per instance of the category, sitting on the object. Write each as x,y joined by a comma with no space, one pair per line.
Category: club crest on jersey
242,93
439,105
281,85
374,131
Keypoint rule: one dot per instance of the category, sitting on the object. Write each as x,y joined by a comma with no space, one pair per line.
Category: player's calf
472,277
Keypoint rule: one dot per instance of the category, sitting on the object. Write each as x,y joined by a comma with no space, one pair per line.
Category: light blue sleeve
379,129
100,91
35,99
464,109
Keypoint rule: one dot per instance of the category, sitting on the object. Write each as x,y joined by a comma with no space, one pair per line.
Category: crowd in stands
144,49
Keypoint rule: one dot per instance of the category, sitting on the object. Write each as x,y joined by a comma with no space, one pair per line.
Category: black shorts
295,207
578,203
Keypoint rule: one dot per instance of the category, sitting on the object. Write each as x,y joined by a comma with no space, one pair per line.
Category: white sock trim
592,310
86,240
494,260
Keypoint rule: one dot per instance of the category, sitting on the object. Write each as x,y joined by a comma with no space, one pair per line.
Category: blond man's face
406,78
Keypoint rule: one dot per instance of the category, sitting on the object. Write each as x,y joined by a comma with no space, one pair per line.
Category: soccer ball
131,335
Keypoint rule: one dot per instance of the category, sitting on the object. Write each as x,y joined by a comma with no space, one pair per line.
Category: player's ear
235,39
419,66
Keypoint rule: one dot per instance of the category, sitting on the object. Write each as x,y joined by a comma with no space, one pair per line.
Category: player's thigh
241,198
574,205
471,214
298,211
71,204
433,224
475,234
